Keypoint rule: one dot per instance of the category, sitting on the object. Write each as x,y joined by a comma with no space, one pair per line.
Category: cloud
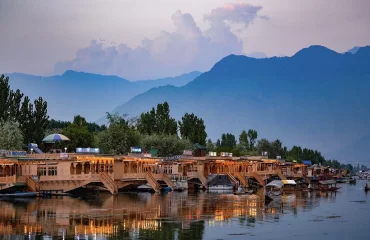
186,49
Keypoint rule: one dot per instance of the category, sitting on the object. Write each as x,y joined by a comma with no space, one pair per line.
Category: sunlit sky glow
166,37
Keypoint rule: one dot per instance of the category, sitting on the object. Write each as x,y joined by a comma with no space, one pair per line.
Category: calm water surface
341,215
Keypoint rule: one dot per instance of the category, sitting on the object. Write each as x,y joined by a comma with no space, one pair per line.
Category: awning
276,183
288,181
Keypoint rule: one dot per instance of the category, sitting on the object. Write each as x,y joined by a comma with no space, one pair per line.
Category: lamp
31,150
65,149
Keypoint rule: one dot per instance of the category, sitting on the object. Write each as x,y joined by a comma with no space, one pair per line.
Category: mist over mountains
86,94
317,98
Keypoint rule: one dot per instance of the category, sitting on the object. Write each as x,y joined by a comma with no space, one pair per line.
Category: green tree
40,119
119,136
78,134
252,135
157,121
228,140
263,145
5,94
193,128
243,139
167,145
210,145
11,137
218,143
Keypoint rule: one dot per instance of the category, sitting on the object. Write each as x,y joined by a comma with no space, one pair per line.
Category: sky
149,39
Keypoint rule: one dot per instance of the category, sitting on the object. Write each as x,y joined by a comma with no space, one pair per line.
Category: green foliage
252,135
93,127
167,145
14,106
228,140
157,121
210,145
193,128
11,137
119,136
243,139
78,133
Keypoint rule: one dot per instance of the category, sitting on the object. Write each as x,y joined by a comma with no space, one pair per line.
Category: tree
218,143
193,128
119,136
252,135
11,137
157,121
167,145
243,139
78,134
263,145
210,145
40,119
228,140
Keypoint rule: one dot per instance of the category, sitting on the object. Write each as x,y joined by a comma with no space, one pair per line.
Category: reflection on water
175,215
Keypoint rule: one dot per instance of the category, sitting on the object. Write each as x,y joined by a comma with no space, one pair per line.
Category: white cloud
184,50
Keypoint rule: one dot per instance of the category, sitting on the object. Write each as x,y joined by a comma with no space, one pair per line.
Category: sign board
9,153
173,157
278,157
264,154
87,150
135,149
188,153
148,155
212,154
63,155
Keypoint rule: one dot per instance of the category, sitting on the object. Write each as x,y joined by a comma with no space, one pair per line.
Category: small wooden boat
19,195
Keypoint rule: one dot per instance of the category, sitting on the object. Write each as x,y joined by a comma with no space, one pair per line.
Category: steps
241,178
258,178
233,179
152,182
168,181
281,175
32,184
108,183
202,179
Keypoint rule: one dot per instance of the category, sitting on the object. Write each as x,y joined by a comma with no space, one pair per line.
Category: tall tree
157,121
4,98
243,139
193,128
252,135
210,145
263,145
11,137
167,145
40,119
228,140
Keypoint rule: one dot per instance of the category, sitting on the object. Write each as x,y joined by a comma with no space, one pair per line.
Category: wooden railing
233,179
8,179
94,177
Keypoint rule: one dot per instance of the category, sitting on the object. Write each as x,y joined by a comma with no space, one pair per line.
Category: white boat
221,187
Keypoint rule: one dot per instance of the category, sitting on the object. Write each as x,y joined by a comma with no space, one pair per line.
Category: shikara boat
19,195
244,192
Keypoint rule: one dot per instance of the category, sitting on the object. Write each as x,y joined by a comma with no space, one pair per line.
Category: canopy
56,137
288,181
276,183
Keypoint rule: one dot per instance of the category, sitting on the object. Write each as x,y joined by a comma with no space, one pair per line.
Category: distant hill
90,95
317,98
353,50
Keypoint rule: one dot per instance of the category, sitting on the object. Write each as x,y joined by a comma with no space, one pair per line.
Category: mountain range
86,94
317,98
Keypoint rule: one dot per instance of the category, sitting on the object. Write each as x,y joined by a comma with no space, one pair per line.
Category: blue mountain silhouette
317,98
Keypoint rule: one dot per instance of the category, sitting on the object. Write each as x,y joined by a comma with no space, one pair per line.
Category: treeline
249,145
152,129
21,121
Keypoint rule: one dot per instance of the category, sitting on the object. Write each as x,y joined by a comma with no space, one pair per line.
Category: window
41,171
52,171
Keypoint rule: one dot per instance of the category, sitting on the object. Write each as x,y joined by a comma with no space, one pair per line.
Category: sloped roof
199,146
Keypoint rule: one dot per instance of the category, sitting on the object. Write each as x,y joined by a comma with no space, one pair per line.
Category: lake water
190,216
